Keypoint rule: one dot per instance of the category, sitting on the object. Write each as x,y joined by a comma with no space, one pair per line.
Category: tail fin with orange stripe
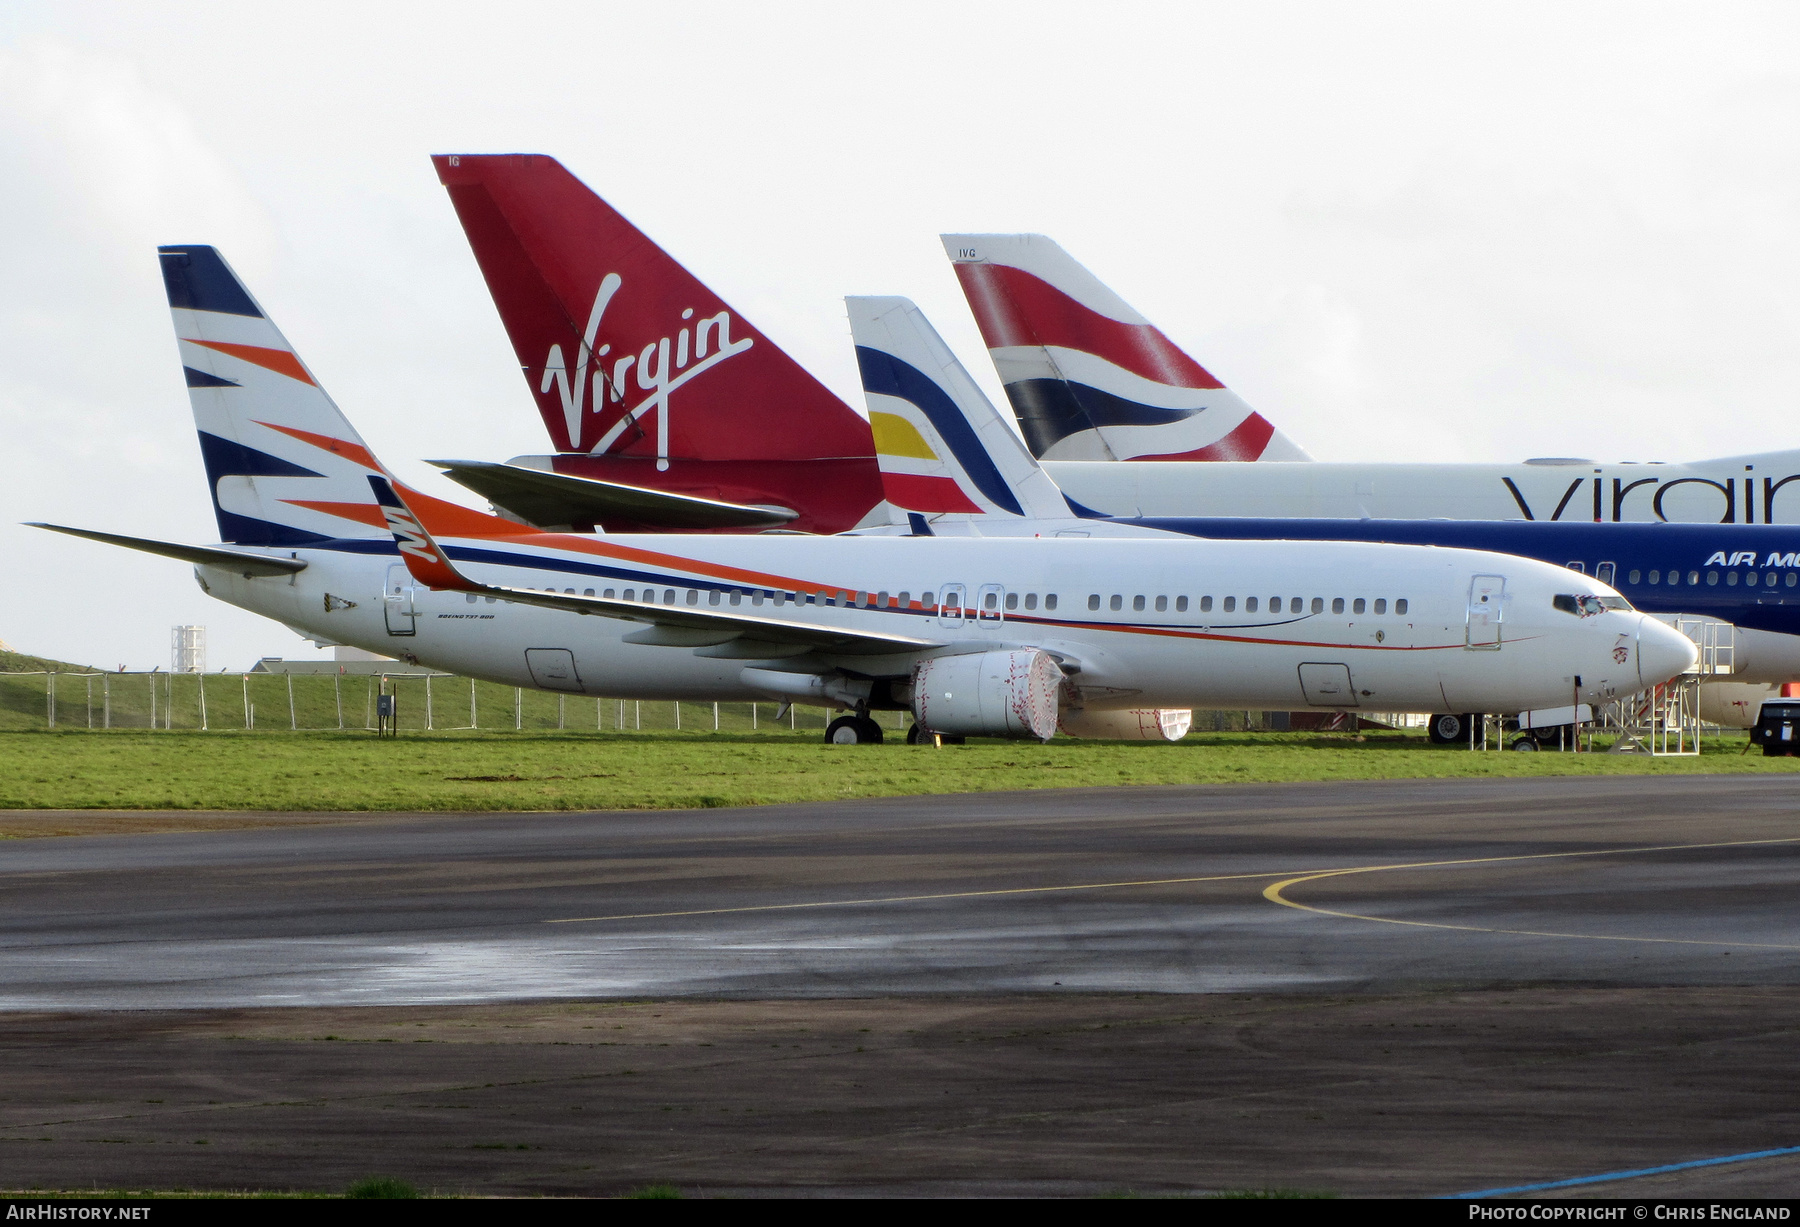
285,465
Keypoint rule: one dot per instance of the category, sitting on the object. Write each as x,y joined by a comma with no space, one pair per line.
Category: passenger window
1337,604
1712,579
492,599
668,596
1050,601
1604,572
1012,600
693,596
1137,603
570,591
1117,603
1632,578
1031,600
737,598
587,592
1769,580
1294,605
631,594
1731,578
905,598
608,594
756,598
1357,606
926,599
1094,600
1793,577
1578,566
712,598
1318,605
1693,578
1230,604
1400,606
1180,604
1381,605
1655,577
1162,603
1205,604
470,596
1249,604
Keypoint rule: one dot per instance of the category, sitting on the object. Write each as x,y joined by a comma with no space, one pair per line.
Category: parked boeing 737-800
973,635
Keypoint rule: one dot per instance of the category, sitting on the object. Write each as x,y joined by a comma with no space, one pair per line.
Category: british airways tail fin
944,450
626,352
1088,377
285,466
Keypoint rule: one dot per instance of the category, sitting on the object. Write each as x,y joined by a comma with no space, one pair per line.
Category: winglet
424,557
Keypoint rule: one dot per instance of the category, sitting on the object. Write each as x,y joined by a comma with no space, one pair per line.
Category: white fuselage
1755,489
1161,635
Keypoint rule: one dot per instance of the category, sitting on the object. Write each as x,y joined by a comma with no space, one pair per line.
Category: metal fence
439,702
295,701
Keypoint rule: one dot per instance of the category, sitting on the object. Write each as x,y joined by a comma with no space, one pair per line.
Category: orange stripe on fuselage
761,579
281,361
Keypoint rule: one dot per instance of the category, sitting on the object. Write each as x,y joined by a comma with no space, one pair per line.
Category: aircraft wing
668,625
544,498
241,561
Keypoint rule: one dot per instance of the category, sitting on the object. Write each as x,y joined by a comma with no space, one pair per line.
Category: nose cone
1663,652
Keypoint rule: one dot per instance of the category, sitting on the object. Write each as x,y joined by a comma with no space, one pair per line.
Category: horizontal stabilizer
546,499
430,565
241,561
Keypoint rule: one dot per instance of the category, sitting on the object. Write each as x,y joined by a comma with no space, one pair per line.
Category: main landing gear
919,735
856,730
1448,730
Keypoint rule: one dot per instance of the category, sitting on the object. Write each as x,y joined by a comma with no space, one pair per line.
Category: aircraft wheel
1525,743
853,731
1447,730
916,734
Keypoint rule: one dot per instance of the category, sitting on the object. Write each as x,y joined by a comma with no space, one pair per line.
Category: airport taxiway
1355,886
1393,988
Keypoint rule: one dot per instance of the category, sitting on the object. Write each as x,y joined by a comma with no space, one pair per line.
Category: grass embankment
563,771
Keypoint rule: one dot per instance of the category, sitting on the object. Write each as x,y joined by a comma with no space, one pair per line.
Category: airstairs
1665,720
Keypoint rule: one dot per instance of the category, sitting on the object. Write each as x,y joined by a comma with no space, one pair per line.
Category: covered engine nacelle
1733,704
990,694
1141,724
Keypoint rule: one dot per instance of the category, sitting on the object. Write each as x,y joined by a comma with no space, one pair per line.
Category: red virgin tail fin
627,353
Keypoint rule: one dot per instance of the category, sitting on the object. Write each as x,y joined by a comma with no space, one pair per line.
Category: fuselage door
1487,594
1327,685
988,609
950,605
553,668
397,601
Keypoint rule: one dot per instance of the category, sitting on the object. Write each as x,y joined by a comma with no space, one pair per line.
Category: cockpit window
1587,606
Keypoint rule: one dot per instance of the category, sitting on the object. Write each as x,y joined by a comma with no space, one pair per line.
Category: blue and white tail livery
285,466
944,450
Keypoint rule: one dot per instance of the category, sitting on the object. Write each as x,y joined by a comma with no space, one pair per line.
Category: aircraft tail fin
942,446
1088,377
285,466
625,351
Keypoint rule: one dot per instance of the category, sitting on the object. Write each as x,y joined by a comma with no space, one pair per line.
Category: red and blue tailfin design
1088,377
285,466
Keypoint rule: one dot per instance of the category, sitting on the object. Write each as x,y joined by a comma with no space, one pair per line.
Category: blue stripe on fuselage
1630,547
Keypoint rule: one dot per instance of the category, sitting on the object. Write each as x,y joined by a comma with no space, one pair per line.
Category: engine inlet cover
990,694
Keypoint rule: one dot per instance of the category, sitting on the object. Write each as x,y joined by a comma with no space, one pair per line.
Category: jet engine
1142,724
990,694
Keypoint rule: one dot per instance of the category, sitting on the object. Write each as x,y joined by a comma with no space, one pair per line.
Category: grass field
547,770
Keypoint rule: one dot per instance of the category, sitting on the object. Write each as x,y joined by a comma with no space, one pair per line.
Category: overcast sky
1420,232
